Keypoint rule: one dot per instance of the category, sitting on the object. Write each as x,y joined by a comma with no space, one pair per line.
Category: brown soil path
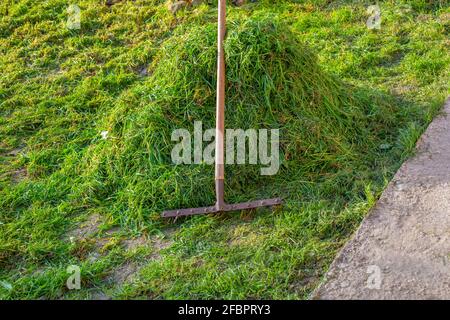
402,249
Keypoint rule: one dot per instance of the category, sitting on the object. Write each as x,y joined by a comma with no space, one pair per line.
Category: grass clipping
273,82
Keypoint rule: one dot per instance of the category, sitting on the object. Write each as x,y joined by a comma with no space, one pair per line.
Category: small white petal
6,285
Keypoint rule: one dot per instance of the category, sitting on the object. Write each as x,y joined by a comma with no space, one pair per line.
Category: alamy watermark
374,20
73,17
74,280
262,147
375,277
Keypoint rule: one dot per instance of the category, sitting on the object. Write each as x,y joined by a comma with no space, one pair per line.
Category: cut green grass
350,104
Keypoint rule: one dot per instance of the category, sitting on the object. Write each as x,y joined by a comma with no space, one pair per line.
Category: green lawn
69,197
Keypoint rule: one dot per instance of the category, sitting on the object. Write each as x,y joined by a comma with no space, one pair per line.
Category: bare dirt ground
402,249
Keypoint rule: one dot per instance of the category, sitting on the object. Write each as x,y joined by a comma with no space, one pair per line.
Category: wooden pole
220,107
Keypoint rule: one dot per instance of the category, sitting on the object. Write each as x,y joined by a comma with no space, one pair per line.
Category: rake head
222,208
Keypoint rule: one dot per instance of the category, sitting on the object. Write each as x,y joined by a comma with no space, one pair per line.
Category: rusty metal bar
226,207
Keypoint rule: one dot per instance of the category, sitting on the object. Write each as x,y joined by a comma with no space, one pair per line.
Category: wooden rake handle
220,106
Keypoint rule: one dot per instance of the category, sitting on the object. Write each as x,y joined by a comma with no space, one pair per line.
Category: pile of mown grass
273,81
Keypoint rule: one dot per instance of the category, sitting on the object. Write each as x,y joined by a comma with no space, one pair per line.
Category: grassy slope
57,87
